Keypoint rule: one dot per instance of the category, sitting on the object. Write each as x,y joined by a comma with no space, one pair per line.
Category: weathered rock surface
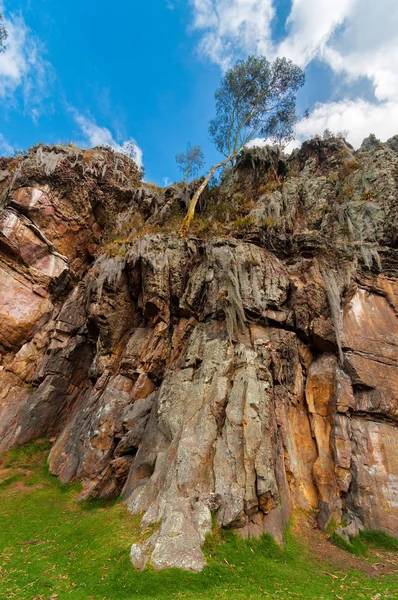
235,377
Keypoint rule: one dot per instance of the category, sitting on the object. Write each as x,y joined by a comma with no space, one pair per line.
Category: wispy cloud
5,148
96,135
367,46
23,67
232,27
311,24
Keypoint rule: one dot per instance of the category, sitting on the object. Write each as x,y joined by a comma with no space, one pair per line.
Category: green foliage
328,134
25,456
238,198
347,167
355,546
347,192
243,223
53,547
223,207
3,34
256,98
9,481
268,222
190,162
331,527
366,195
368,538
379,540
271,186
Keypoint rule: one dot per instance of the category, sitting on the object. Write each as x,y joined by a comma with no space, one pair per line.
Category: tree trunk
194,200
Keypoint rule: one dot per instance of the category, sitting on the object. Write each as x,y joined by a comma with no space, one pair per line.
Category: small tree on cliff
255,98
3,34
190,163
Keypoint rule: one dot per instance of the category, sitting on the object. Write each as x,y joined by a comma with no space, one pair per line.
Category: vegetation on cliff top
255,98
53,547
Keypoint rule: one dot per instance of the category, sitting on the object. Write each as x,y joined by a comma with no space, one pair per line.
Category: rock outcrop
238,374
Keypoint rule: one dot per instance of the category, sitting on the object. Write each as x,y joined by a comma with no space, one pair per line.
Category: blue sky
86,72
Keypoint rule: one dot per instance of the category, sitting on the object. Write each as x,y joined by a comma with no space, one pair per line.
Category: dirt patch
322,549
17,478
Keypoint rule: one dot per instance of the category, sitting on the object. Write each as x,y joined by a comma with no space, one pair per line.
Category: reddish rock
21,309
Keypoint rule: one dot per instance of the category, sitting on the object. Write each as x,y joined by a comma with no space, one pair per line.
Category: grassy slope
52,547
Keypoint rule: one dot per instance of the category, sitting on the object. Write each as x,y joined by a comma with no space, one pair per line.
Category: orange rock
21,310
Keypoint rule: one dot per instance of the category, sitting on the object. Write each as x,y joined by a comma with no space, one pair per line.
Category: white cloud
356,38
311,24
358,117
101,136
22,66
5,147
233,26
367,46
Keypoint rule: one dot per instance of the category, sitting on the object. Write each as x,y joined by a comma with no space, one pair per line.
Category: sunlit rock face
239,375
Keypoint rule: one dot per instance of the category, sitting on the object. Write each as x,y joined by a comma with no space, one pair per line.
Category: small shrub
347,192
270,186
206,227
268,222
348,166
224,208
332,177
88,155
238,198
331,527
328,134
366,195
243,223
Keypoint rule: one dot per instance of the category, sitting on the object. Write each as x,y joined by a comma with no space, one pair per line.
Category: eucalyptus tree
189,163
256,98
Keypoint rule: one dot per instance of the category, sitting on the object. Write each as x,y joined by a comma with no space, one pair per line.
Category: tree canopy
256,98
190,162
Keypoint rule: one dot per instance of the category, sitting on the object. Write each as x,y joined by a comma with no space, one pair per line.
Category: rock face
240,375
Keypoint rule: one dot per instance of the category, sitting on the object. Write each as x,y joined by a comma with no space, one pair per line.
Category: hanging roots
334,301
106,271
48,160
227,275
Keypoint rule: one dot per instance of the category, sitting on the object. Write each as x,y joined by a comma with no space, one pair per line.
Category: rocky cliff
240,372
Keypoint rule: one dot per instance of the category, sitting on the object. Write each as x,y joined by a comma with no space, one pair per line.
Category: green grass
359,546
379,540
54,547
355,546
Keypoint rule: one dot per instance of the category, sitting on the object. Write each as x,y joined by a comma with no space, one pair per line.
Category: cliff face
242,373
